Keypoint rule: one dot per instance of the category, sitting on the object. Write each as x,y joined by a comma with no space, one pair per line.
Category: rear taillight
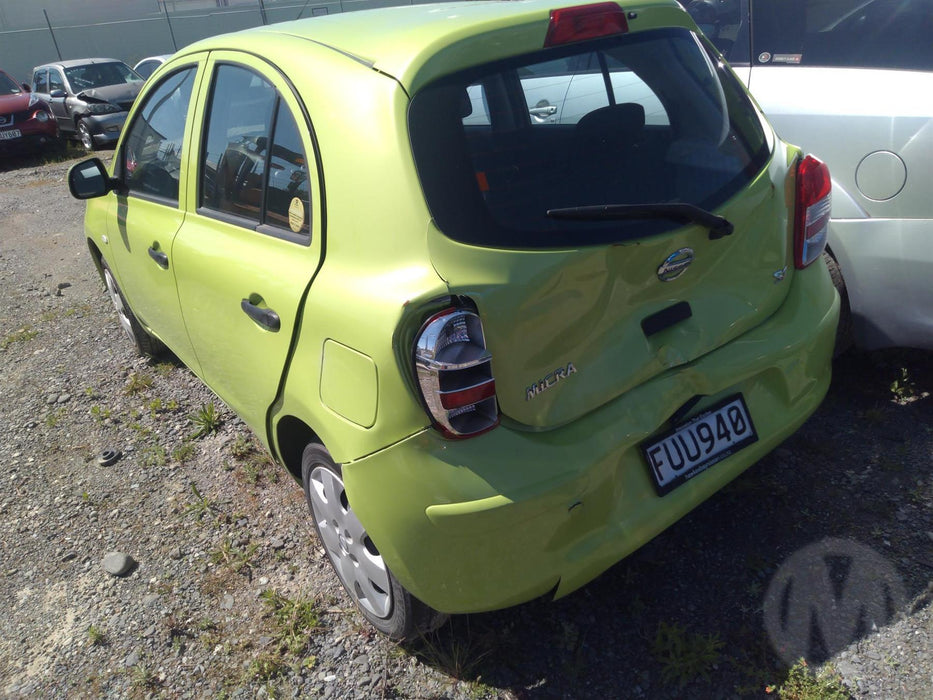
570,24
455,374
814,204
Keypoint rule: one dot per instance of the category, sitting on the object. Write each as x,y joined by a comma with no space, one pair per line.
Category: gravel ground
227,592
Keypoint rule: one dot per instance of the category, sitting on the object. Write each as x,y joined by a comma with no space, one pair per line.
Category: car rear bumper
511,515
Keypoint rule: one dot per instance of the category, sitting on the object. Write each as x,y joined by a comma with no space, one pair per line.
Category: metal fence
164,32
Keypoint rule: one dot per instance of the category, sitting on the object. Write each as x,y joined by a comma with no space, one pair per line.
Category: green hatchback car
509,287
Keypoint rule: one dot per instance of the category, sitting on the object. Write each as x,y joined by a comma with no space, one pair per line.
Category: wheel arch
96,256
291,436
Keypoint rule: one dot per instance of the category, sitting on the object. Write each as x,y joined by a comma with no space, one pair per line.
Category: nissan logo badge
675,265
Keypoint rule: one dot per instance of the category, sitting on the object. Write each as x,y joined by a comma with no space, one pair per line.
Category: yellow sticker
296,215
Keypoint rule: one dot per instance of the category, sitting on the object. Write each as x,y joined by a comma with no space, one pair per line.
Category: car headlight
102,108
41,116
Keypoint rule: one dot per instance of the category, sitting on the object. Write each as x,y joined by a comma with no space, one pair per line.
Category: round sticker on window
296,215
764,57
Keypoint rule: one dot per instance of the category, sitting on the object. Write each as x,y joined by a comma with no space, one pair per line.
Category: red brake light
570,24
814,206
455,374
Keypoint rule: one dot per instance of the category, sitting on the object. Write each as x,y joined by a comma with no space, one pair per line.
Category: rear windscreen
646,118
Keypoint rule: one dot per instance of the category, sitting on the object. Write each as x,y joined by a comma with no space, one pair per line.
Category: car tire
378,595
84,135
144,343
844,335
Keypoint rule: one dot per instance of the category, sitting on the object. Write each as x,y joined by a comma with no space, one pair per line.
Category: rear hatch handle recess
717,225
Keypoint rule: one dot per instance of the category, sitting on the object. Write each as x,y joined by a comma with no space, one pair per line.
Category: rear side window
840,33
644,118
241,176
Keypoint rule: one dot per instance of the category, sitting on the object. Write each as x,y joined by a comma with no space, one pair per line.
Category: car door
58,100
149,213
251,241
853,84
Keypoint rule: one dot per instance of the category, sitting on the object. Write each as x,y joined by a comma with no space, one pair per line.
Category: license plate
698,444
10,134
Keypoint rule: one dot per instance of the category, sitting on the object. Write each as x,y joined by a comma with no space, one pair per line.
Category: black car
89,97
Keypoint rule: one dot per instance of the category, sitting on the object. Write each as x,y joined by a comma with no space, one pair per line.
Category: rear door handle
160,257
267,318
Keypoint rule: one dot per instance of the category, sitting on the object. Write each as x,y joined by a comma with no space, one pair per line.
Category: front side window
839,33
648,118
55,80
241,176
8,86
40,81
152,151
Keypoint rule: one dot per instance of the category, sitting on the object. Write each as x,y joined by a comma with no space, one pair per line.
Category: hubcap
352,553
117,300
86,140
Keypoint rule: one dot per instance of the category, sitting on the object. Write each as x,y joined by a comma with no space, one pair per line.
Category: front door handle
267,318
160,257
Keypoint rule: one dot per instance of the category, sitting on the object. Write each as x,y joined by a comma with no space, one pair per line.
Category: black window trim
242,221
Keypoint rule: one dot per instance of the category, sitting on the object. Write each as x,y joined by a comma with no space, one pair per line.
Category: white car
147,66
852,83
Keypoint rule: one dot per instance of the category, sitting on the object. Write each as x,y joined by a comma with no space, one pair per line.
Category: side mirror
26,87
58,93
89,179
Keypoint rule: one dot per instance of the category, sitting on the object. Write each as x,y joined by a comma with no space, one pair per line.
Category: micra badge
549,380
675,264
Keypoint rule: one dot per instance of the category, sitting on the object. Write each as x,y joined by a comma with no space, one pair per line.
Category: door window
153,146
55,81
241,176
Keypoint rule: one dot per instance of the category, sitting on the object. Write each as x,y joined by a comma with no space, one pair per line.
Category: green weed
206,420
55,417
232,557
23,335
802,684
96,636
293,620
683,656
183,452
137,383
153,456
201,506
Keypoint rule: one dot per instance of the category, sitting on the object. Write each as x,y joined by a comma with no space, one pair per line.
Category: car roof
400,41
161,58
71,63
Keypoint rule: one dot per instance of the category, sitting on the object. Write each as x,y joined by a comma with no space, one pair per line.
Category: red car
26,122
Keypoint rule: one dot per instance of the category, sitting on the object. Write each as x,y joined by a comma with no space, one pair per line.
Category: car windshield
648,118
8,86
95,75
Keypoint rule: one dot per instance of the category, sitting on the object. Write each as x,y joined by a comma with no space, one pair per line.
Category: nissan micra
500,351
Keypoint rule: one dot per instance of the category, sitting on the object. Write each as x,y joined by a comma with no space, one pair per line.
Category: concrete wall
133,29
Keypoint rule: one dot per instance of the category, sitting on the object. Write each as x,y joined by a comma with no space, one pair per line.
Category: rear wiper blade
717,225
